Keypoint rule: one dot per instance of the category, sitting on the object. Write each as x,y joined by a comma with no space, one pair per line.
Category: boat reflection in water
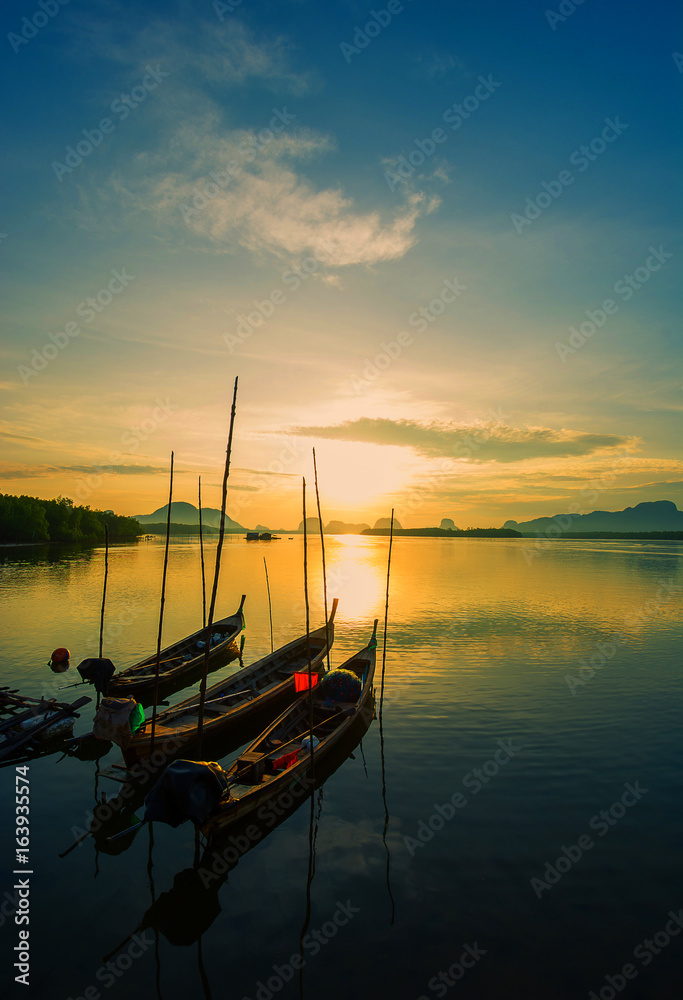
186,911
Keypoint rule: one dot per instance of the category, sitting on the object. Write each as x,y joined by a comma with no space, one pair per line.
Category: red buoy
59,661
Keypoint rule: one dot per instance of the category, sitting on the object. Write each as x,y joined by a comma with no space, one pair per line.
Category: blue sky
425,346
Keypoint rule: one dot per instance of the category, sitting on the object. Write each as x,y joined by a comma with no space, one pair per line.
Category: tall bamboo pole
216,572
161,611
201,553
381,728
386,618
308,633
270,606
322,546
104,587
104,595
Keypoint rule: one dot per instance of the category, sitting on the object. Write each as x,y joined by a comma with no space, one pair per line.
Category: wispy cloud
267,472
493,442
22,438
437,65
40,471
264,203
203,50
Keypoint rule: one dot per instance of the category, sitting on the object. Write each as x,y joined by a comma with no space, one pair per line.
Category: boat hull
271,792
177,670
223,713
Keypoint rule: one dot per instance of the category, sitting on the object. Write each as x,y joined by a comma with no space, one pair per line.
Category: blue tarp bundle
98,670
188,789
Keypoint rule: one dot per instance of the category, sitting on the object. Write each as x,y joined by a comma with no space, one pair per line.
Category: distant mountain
333,528
655,515
312,524
448,525
385,522
341,528
187,513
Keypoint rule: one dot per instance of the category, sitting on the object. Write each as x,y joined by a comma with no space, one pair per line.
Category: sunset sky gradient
386,234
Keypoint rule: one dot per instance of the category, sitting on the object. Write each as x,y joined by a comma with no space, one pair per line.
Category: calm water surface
502,747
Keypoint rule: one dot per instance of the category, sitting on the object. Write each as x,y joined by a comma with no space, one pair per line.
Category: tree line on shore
30,519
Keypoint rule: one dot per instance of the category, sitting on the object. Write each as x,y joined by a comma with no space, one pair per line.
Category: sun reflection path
355,574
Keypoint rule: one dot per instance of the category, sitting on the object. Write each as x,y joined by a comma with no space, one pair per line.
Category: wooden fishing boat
281,756
30,723
279,766
237,699
181,664
186,911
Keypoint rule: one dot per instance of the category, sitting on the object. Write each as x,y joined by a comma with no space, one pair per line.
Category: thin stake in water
104,587
270,606
104,595
381,727
214,590
308,633
201,552
161,610
386,617
322,546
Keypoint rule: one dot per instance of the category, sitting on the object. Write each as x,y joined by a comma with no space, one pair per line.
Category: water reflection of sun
356,574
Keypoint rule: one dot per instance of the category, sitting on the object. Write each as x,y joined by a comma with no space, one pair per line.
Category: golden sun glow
355,476
356,576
